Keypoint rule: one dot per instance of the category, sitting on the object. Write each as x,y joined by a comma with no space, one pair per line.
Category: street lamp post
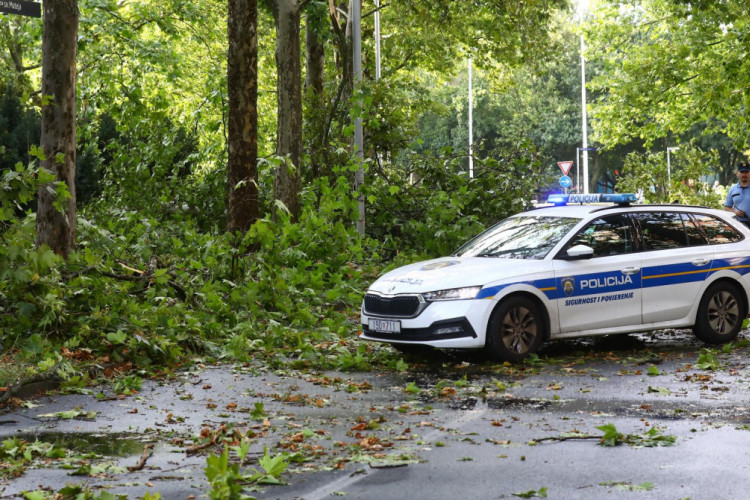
359,177
669,168
584,130
471,125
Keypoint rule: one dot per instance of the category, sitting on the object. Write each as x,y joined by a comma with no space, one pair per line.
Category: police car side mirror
579,252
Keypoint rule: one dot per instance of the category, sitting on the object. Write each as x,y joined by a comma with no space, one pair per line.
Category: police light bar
565,199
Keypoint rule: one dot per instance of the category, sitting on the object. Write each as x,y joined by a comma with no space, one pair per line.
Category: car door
676,260
604,290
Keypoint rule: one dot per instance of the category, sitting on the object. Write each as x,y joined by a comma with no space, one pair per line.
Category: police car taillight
618,198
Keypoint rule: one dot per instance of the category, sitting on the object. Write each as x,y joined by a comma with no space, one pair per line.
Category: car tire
515,330
721,313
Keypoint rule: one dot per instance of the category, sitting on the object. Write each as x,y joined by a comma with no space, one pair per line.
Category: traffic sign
565,181
21,7
565,166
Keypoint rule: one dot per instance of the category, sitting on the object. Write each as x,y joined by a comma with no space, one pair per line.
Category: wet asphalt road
448,428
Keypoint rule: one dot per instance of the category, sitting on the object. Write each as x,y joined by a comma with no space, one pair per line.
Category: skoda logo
391,288
569,285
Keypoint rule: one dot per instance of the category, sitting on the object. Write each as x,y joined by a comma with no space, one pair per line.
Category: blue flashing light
557,199
564,199
619,198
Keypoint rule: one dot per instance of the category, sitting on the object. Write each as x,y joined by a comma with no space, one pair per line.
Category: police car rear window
666,230
716,230
523,237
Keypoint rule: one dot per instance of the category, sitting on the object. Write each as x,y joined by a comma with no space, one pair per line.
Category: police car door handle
631,270
700,262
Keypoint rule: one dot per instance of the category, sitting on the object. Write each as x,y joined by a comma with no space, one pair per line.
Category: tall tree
287,183
56,218
242,83
669,65
315,25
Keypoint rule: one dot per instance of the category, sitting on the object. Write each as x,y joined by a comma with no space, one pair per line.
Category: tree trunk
343,42
242,83
57,228
315,58
287,183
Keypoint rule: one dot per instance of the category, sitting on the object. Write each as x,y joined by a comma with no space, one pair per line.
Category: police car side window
694,236
663,230
609,235
716,230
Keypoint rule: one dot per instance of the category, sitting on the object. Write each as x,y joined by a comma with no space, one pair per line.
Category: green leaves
227,480
129,384
74,414
273,467
611,437
666,69
412,388
707,360
653,371
652,438
259,412
540,493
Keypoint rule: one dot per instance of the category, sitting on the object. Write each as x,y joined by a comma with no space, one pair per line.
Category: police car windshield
524,237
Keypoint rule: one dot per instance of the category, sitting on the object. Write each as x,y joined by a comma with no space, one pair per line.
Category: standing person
738,196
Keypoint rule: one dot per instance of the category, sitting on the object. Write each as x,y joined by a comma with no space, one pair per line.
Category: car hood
453,272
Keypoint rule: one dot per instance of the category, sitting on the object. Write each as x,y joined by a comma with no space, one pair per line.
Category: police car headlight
465,293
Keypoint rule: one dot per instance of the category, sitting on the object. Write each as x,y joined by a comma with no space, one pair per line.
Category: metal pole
583,122
377,39
471,129
669,176
359,178
578,170
669,172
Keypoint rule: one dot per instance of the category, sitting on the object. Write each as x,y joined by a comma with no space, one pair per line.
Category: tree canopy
668,66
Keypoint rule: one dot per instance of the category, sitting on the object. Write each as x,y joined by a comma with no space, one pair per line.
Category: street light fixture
669,169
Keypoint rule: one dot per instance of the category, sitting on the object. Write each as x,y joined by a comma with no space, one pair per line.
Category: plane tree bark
287,183
242,82
56,217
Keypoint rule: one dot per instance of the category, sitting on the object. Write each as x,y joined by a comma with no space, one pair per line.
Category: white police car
571,270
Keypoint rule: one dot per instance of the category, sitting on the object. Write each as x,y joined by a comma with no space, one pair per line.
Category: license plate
385,325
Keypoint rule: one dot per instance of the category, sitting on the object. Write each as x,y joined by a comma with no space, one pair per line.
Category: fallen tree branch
15,389
564,438
195,449
145,455
139,276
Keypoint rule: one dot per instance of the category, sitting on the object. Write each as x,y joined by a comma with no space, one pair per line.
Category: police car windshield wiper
517,253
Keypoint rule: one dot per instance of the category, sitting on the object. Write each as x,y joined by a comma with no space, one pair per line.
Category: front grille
402,306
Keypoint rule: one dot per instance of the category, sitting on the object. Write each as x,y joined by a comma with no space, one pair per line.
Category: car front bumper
447,324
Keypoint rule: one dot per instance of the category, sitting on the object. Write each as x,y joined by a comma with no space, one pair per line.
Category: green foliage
227,480
650,439
427,203
653,371
79,492
412,388
19,130
129,384
28,275
224,478
540,493
17,454
667,66
259,412
707,360
648,173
